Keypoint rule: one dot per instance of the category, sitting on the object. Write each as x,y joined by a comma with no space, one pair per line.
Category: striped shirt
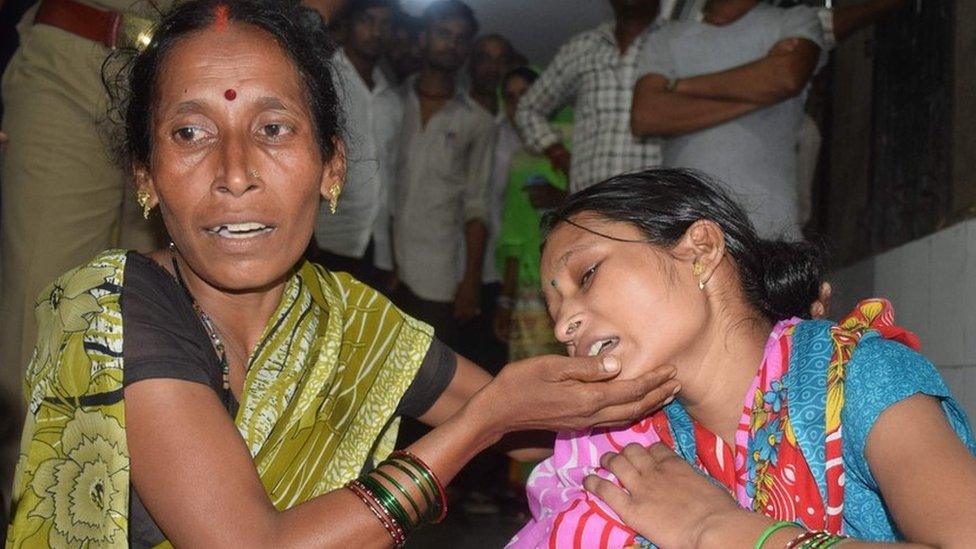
590,69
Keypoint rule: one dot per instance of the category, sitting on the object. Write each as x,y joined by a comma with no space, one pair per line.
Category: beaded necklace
208,325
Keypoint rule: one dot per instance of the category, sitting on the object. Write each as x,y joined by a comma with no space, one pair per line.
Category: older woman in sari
223,392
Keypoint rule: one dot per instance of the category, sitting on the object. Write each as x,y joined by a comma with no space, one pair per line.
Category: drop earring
142,197
698,269
334,192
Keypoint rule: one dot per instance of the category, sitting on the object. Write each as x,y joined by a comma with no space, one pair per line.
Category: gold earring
142,197
334,192
698,269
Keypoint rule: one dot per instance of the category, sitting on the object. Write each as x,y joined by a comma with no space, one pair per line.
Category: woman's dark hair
781,279
133,91
528,74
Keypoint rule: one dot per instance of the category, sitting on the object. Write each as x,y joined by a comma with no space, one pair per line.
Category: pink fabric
565,515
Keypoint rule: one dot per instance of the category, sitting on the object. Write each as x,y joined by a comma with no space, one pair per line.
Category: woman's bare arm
926,475
196,478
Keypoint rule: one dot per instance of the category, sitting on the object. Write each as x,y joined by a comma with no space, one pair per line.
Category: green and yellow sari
318,401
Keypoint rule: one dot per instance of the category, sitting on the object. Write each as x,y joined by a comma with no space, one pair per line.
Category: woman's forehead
587,226
223,58
567,239
584,232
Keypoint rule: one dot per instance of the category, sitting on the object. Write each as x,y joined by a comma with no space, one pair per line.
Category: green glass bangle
425,474
406,470
393,504
382,496
770,530
406,494
430,477
388,501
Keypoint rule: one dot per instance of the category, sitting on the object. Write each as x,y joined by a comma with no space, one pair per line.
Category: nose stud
253,174
571,329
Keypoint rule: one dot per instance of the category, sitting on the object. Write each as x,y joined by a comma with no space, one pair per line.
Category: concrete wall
848,148
932,284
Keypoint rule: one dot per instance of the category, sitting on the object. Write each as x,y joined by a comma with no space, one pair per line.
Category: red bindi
230,94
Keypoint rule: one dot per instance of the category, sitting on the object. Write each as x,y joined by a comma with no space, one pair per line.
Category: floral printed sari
788,459
318,401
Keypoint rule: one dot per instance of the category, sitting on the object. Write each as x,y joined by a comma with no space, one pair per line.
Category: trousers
63,197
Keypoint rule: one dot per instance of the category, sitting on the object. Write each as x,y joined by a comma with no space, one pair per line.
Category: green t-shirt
520,235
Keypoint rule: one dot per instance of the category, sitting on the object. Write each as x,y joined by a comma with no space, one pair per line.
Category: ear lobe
334,173
705,242
144,182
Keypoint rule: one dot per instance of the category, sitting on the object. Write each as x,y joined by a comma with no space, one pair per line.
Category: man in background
728,93
491,57
595,72
356,239
404,54
442,175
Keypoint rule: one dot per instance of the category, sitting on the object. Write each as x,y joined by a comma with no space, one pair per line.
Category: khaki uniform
63,198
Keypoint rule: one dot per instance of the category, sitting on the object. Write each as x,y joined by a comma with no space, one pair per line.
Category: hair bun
791,276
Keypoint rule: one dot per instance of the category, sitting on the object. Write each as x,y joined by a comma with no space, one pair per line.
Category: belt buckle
135,32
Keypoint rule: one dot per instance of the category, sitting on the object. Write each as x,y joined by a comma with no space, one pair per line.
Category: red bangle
387,518
392,528
802,538
430,472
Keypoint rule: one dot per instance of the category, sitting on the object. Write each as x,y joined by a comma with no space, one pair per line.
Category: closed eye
587,277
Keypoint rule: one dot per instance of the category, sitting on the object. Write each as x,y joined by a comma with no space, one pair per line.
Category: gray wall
932,284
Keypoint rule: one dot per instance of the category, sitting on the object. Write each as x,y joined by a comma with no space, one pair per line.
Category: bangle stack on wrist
815,540
806,540
384,495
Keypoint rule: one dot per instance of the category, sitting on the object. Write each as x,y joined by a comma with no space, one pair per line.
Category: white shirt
506,143
442,181
753,155
373,118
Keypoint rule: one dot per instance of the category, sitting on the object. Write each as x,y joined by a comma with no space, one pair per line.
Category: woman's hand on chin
666,500
561,393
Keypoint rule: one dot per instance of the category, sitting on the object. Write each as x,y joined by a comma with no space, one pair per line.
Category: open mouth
603,346
241,230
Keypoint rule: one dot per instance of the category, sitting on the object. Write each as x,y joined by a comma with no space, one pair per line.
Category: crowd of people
324,216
